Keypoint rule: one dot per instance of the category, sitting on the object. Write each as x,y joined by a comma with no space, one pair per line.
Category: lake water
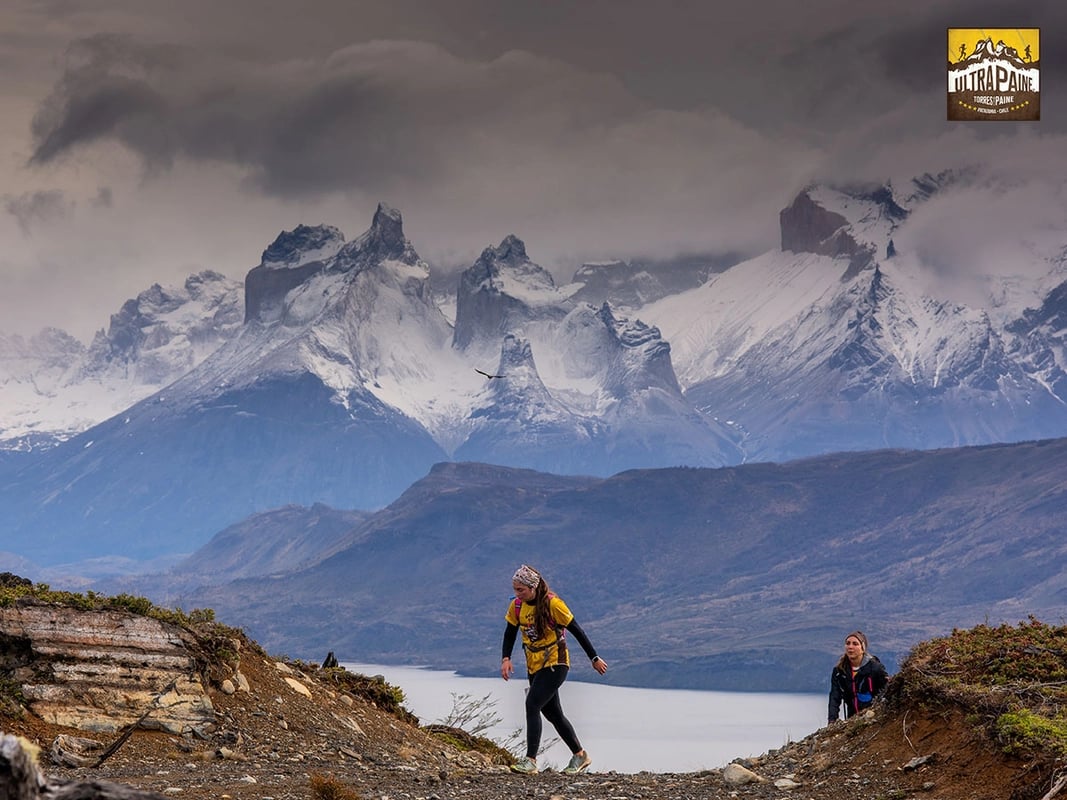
624,729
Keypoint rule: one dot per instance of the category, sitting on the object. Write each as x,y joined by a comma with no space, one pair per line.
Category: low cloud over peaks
411,121
33,209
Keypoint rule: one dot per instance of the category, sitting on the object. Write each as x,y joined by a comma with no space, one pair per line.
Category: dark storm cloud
106,92
37,208
516,143
365,117
590,128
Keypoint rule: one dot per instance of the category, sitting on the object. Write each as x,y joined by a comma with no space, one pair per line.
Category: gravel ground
275,742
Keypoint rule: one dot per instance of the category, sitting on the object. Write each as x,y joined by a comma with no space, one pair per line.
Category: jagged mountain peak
48,344
515,353
859,204
512,250
383,241
199,311
362,326
503,291
884,196
386,236
54,386
302,244
387,218
636,282
520,387
304,253
643,357
518,421
629,332
842,222
507,268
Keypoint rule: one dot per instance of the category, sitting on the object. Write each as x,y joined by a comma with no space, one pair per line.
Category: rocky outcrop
807,227
290,260
297,256
303,242
500,293
102,670
166,331
304,731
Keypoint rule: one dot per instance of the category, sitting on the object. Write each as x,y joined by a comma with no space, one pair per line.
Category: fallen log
22,779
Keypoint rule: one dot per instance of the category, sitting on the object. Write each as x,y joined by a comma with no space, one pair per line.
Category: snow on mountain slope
863,316
32,373
517,421
362,321
710,328
287,411
606,379
503,292
871,216
54,387
844,341
303,245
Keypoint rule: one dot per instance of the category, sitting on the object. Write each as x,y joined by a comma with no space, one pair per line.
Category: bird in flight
488,377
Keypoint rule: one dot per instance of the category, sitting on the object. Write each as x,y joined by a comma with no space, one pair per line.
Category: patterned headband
527,576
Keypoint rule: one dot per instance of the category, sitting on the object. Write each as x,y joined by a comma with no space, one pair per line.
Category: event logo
994,73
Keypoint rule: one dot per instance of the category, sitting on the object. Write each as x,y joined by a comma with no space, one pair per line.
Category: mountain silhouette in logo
985,50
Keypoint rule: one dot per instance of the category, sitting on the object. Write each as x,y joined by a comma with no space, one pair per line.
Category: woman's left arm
599,664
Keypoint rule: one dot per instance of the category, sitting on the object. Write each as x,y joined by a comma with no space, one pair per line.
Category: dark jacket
856,692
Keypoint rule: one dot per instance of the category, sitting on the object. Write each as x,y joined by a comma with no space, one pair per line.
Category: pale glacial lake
625,729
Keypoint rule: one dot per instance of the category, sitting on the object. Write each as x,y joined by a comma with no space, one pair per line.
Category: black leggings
543,698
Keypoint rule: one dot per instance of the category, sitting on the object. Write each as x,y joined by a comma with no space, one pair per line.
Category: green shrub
1024,733
386,696
1029,653
12,592
12,700
1009,681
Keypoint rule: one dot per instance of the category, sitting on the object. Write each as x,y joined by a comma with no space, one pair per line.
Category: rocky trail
273,740
247,726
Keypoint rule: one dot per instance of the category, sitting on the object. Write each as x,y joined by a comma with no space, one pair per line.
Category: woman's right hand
506,669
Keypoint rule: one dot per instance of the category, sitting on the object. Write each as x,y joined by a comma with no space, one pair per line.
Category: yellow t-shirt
543,652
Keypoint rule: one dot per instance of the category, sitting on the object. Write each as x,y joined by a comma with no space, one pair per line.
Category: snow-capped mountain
346,383
358,317
583,391
285,411
837,342
54,387
632,284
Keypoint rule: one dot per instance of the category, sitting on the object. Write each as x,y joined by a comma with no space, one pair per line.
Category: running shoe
579,763
526,766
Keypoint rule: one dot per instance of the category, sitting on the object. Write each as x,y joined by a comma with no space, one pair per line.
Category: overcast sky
144,140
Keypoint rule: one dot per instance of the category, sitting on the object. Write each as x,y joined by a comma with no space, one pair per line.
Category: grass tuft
327,787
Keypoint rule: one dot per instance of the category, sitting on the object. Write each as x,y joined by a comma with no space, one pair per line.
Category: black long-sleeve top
856,691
